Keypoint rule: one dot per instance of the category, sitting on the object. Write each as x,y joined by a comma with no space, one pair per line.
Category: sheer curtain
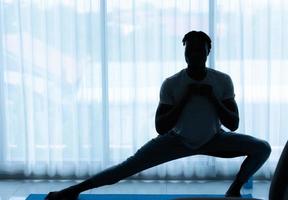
80,80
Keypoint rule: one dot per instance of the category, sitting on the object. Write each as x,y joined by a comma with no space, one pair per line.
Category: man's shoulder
175,77
219,74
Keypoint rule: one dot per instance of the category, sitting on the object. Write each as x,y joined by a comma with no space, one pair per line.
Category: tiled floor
19,190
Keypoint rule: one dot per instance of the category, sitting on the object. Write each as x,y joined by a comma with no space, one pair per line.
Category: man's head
197,48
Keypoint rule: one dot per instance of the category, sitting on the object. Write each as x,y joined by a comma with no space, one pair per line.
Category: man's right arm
167,115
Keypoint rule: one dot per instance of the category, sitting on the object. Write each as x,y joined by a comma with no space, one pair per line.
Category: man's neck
197,74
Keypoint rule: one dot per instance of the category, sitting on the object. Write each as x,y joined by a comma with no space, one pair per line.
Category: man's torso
199,120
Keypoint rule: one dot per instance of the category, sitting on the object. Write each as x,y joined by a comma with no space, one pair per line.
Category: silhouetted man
194,103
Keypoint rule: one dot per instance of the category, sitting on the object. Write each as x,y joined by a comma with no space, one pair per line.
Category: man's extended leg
228,145
158,150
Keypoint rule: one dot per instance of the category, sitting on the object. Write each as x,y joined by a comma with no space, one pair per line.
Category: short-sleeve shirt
198,121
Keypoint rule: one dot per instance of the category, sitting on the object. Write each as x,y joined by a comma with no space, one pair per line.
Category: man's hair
197,34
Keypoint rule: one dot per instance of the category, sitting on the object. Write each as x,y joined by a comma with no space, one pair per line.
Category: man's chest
182,87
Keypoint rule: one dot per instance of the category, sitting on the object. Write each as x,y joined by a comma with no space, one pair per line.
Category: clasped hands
201,89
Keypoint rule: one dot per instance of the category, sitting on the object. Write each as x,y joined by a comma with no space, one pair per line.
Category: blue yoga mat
143,196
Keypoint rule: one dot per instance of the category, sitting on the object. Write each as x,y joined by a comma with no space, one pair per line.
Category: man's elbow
160,132
234,126
158,127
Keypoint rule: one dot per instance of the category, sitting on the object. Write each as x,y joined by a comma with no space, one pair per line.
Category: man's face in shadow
196,52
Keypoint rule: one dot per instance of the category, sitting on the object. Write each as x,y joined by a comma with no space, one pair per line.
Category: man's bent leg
229,144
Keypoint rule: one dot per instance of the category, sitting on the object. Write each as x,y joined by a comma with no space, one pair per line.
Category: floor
20,189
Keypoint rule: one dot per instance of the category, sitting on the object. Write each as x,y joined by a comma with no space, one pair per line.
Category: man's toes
50,196
61,196
236,194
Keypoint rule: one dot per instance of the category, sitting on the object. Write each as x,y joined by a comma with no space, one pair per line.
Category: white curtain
80,80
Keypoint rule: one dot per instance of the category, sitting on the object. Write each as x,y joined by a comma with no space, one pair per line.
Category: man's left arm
226,106
228,112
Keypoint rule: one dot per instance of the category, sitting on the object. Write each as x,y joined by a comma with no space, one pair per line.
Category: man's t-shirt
199,121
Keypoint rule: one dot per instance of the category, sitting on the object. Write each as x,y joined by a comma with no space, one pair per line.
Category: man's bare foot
62,195
234,189
232,194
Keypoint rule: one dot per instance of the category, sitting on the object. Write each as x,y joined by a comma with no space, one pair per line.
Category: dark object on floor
279,183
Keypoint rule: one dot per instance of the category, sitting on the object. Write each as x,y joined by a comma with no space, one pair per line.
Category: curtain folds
80,80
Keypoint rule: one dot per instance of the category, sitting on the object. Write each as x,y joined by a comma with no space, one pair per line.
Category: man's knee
267,148
263,148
